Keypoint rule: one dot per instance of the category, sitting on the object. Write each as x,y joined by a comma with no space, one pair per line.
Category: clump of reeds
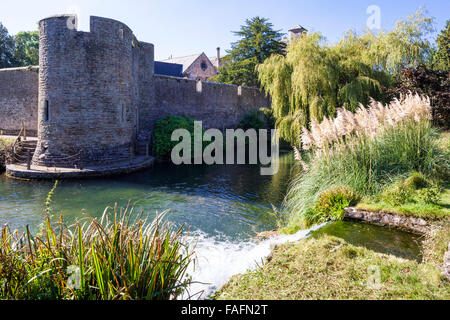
365,122
365,151
114,257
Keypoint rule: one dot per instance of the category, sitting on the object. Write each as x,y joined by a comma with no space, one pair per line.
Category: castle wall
18,100
94,96
89,91
218,105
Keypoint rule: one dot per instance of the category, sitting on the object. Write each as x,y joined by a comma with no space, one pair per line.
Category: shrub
429,195
107,259
433,83
162,133
268,117
252,120
398,194
5,147
417,181
332,202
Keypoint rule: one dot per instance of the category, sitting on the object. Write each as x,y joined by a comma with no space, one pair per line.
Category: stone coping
19,171
385,218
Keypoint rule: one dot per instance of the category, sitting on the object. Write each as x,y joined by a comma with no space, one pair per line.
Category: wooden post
28,159
147,151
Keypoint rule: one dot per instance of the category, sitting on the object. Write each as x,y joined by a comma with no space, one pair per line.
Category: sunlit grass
330,268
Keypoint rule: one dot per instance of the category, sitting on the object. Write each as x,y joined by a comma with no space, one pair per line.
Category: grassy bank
367,154
330,268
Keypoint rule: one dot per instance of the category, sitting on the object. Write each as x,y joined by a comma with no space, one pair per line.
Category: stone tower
95,90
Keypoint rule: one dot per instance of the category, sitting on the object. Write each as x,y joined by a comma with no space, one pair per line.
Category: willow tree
314,78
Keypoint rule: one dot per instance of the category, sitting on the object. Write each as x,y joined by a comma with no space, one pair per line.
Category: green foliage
108,259
417,181
26,52
442,56
398,194
315,78
258,42
429,195
162,133
367,166
6,48
268,117
432,83
252,120
331,204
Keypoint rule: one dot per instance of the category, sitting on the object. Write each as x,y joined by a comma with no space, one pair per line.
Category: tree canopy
315,78
20,50
258,41
442,56
6,48
26,52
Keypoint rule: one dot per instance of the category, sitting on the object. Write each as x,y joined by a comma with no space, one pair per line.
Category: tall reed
114,257
365,151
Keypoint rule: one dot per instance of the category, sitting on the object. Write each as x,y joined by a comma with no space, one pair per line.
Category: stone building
295,33
95,96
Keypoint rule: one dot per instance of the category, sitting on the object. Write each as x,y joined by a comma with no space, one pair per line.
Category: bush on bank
112,258
5,145
162,134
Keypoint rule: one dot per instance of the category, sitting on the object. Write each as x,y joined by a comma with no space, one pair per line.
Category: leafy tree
314,78
6,48
442,56
26,52
258,42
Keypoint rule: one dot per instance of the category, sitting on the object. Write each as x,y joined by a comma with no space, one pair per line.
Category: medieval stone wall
89,91
18,100
218,105
94,97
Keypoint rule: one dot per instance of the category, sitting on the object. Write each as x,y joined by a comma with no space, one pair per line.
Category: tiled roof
169,69
184,61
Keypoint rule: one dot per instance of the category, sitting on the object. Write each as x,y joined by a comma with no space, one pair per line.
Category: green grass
413,207
115,257
330,268
368,167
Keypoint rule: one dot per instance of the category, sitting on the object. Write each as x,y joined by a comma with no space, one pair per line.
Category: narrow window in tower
122,113
46,111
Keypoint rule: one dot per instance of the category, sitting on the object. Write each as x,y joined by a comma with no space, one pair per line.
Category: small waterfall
218,259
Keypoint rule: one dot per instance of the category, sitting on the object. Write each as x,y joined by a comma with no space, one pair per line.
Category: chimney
218,57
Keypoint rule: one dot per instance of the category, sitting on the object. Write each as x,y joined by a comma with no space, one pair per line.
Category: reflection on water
234,200
380,239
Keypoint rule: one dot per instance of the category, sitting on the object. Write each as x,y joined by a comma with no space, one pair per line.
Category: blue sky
183,27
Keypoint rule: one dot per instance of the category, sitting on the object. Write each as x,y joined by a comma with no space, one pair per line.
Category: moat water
224,206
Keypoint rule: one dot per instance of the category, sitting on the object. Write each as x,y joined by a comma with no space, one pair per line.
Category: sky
185,27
